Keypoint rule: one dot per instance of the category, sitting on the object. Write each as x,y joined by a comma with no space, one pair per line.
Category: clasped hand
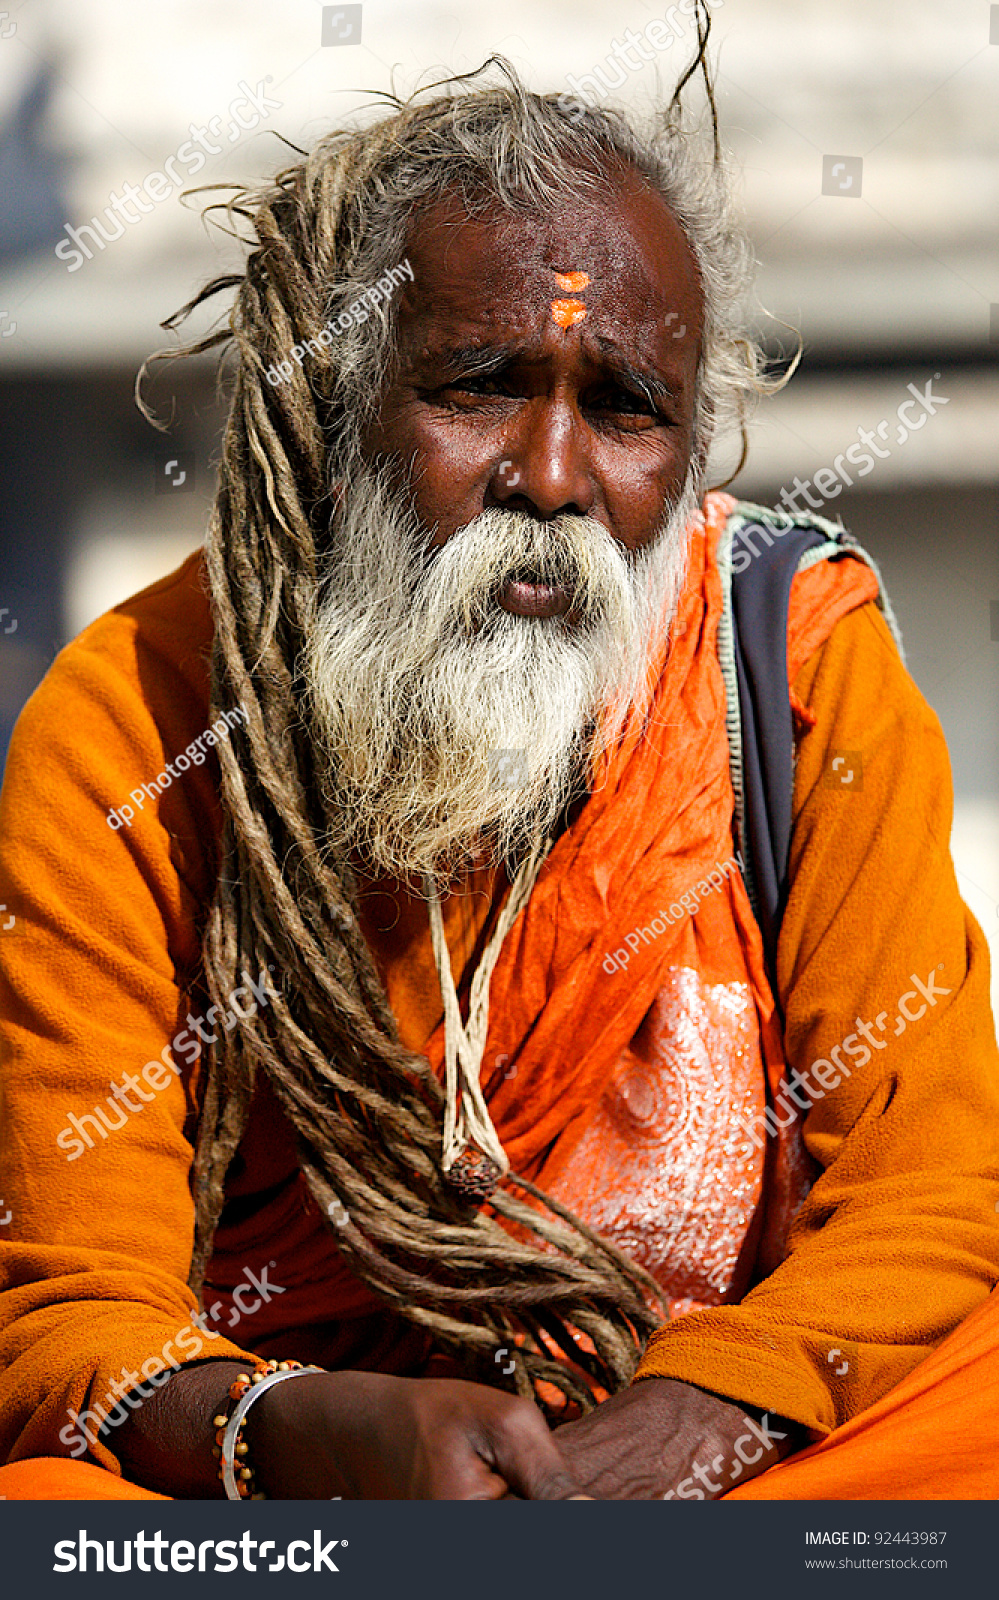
366,1435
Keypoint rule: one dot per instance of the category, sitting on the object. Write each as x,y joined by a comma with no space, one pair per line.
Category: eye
614,400
627,400
481,384
463,389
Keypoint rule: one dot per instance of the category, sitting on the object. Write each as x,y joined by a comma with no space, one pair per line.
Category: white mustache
419,680
574,554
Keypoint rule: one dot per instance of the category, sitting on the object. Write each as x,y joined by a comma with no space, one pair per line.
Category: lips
525,598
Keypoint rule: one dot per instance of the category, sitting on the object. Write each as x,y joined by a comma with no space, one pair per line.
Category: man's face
521,386
503,563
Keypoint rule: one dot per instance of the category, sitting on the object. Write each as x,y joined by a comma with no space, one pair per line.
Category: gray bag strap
759,553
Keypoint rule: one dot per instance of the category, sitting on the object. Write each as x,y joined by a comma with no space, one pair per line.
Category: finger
463,1473
510,1496
528,1459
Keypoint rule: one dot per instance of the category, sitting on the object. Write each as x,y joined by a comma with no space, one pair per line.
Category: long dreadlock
366,1111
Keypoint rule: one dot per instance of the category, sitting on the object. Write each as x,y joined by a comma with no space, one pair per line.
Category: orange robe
894,1246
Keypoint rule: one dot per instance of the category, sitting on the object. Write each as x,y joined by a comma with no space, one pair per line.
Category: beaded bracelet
230,1446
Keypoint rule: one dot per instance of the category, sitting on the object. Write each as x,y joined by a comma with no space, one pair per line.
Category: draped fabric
632,1045
931,1438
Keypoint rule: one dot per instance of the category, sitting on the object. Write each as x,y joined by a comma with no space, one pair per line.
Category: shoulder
858,674
125,697
136,675
870,736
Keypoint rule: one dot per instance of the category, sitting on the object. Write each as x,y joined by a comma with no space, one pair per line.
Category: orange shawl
896,1241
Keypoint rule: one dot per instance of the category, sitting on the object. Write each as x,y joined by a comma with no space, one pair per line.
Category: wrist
712,1442
165,1444
787,1437
288,1434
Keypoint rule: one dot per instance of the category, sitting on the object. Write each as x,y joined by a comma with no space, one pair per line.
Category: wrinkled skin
561,426
368,1436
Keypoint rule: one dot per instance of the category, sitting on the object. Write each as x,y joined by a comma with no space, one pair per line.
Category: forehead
497,272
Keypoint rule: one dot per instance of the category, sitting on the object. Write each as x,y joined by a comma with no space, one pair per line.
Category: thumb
525,1455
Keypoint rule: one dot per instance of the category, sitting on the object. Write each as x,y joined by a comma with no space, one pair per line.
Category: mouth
526,597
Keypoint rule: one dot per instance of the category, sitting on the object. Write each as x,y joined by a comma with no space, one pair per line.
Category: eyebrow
656,390
484,360
472,360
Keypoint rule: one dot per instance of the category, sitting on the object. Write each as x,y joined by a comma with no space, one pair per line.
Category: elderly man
386,995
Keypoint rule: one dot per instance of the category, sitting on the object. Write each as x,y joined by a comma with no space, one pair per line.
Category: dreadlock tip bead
473,1174
220,1421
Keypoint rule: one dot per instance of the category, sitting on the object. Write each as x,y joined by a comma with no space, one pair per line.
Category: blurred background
866,134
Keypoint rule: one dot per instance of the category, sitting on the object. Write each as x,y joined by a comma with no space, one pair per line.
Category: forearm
822,1357
666,1440
166,1443
359,1435
738,1443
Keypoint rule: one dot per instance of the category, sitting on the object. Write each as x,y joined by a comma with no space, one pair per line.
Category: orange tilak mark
568,312
573,281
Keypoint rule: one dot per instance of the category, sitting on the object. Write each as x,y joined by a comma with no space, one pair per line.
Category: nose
545,471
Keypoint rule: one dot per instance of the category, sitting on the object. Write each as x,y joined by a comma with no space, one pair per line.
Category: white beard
455,733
